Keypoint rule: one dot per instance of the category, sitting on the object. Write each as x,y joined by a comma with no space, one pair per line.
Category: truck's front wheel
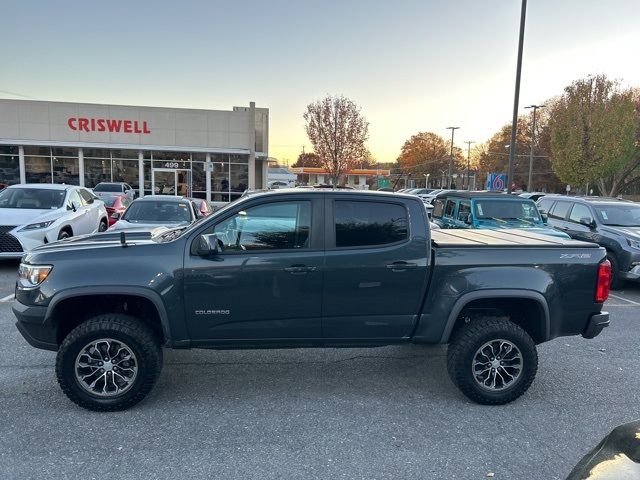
492,361
109,362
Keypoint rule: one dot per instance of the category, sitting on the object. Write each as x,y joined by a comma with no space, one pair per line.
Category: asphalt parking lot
336,413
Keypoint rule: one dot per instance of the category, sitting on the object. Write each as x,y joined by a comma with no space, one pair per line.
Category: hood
124,225
96,241
552,232
25,216
631,232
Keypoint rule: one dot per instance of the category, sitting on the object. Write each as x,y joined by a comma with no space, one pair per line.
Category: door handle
299,269
401,266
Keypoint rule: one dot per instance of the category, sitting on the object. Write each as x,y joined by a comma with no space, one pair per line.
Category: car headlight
633,243
30,276
34,226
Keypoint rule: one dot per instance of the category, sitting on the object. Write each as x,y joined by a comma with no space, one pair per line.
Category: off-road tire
144,344
466,342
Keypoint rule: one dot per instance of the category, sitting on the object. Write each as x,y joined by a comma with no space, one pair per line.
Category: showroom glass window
97,166
65,165
359,224
124,167
220,177
274,226
37,164
198,175
9,165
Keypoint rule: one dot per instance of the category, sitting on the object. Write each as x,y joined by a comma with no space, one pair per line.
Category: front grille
8,243
6,228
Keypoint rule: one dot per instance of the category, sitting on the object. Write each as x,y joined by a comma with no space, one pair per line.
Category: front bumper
33,328
596,324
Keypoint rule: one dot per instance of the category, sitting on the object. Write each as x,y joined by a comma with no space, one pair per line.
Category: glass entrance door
164,181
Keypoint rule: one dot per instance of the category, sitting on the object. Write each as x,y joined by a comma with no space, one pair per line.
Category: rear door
375,268
558,216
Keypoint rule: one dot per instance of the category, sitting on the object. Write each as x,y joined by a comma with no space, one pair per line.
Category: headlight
633,243
34,226
30,276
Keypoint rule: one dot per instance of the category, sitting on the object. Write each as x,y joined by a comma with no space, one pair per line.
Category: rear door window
464,212
359,224
560,210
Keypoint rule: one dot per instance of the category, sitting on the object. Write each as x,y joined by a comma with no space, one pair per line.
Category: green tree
594,135
308,160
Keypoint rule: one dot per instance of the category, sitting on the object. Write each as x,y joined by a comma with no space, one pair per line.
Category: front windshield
108,187
524,212
32,198
619,215
157,212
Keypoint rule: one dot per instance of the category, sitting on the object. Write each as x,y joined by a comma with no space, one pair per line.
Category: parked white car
110,189
39,213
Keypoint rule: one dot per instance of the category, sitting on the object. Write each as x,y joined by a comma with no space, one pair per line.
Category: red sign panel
108,125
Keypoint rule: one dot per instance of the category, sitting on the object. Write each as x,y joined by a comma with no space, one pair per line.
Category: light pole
426,180
516,97
533,141
468,142
453,129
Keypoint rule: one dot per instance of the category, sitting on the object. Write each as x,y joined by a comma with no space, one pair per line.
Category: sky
411,65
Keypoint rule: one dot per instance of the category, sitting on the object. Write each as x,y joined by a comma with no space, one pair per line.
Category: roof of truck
461,237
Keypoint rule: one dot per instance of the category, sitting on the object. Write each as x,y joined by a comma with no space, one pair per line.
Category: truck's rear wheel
109,362
492,361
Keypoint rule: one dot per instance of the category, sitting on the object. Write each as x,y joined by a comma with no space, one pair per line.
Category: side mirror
588,222
73,207
544,216
209,245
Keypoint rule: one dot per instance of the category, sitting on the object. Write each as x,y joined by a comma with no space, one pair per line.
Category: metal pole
533,141
514,124
453,129
469,142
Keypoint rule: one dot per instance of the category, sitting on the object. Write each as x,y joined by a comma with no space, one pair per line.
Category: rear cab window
368,223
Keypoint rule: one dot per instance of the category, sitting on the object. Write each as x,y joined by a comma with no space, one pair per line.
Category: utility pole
453,129
468,142
533,141
516,97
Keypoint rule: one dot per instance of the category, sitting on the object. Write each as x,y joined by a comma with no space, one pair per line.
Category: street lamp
533,141
426,180
453,129
468,142
516,97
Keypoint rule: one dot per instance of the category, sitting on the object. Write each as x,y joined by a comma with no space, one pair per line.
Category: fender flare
143,292
467,298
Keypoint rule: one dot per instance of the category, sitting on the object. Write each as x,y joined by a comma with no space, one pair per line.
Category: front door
267,281
164,181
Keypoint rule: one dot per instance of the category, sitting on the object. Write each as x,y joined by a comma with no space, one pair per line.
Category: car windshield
32,198
157,212
619,215
108,187
524,212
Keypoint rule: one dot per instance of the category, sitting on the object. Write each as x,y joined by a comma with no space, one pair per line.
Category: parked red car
115,205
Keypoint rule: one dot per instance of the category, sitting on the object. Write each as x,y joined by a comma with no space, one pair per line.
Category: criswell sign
108,125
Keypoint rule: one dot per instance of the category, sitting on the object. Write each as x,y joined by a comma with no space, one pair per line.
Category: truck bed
500,238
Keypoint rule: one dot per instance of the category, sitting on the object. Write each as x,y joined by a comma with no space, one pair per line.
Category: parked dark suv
612,223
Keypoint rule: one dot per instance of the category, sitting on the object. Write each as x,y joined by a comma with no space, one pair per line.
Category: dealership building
212,154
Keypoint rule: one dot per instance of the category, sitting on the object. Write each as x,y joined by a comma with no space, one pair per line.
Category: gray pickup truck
307,268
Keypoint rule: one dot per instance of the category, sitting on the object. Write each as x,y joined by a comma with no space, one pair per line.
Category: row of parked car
613,223
37,214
